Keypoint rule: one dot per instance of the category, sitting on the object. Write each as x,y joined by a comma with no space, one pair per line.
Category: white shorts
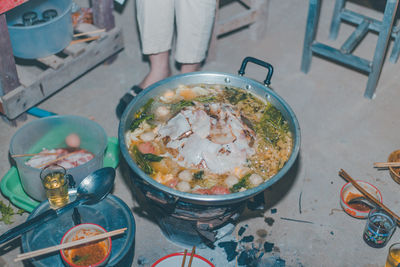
194,22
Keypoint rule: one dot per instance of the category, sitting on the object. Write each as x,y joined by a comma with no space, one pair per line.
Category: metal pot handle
258,62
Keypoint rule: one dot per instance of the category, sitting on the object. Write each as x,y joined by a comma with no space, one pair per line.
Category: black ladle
91,190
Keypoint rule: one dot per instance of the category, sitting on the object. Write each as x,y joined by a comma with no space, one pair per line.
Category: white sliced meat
223,163
175,127
221,133
195,147
175,144
200,123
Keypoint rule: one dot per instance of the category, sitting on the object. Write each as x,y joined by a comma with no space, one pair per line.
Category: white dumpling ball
185,175
183,186
231,180
255,179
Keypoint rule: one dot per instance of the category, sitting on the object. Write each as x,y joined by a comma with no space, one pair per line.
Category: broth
209,139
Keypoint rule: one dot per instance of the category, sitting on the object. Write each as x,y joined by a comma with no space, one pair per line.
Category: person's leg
156,27
194,22
159,69
190,67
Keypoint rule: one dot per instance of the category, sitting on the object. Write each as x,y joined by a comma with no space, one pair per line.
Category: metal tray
11,187
111,213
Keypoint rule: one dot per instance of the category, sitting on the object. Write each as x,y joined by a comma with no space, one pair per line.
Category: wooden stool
343,55
254,15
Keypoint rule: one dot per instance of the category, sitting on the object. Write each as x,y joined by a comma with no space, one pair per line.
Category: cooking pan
173,196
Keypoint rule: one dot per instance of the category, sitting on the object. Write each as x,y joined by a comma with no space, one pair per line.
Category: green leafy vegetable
176,107
152,157
141,161
198,175
234,95
7,213
142,115
78,259
243,183
273,125
205,99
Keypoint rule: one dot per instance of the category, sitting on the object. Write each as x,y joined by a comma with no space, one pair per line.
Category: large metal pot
173,196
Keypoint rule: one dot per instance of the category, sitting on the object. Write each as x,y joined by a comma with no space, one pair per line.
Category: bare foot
159,69
190,67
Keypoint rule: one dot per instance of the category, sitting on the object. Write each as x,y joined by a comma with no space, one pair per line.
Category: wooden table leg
8,71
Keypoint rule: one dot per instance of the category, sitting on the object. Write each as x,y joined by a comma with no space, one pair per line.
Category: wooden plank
75,50
50,81
52,61
26,77
242,19
258,29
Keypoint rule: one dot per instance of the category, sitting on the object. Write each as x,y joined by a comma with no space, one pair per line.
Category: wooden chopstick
43,251
184,258
84,40
90,32
386,164
34,154
57,159
347,177
191,256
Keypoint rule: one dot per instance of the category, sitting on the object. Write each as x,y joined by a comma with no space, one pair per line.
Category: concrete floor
339,129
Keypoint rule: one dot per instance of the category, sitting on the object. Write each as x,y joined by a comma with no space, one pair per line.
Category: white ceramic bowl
346,195
84,230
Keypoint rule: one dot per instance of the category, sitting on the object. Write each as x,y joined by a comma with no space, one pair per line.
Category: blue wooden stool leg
311,30
380,50
335,23
394,56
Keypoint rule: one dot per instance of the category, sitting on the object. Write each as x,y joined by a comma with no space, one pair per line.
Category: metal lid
111,213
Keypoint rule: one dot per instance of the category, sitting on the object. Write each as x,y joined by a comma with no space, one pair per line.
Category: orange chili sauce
357,206
87,254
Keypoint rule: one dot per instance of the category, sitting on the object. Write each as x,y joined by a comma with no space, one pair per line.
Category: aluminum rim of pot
209,78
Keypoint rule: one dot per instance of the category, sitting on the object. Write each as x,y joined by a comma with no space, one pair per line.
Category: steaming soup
209,139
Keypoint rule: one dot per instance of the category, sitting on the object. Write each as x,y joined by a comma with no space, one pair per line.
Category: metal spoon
91,190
